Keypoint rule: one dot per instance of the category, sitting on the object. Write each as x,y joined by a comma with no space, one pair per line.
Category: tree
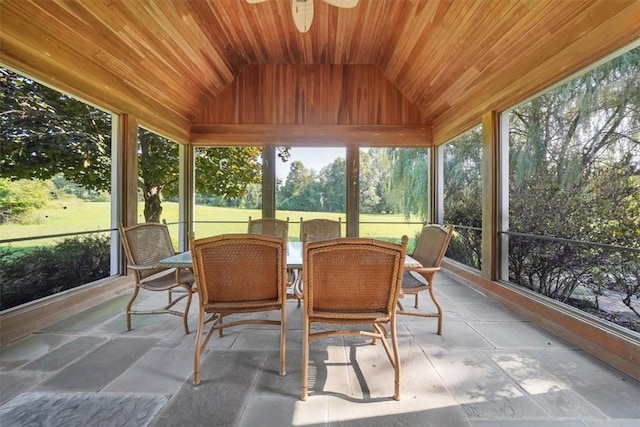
333,181
463,196
575,174
20,197
300,191
44,132
410,180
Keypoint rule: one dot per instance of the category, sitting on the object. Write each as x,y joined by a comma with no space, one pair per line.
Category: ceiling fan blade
347,4
302,12
256,1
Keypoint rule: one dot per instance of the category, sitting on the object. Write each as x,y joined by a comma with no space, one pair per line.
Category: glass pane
394,193
158,172
55,184
463,196
228,189
311,184
574,192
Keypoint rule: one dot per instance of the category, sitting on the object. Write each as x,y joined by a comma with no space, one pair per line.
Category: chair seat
412,280
350,318
166,280
243,306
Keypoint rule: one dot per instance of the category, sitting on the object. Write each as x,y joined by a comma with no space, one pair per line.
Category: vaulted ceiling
169,62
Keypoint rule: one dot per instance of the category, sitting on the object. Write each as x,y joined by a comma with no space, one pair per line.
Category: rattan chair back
146,244
269,227
320,229
432,245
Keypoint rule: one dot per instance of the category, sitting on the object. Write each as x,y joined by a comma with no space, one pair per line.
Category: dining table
294,264
294,259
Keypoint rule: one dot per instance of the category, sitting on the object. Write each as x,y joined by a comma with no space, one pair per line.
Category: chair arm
425,270
141,267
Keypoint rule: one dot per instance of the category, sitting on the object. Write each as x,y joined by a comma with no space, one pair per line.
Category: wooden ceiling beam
310,135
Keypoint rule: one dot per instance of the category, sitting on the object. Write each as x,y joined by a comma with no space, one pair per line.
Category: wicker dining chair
320,229
235,274
352,282
430,248
314,230
269,227
144,245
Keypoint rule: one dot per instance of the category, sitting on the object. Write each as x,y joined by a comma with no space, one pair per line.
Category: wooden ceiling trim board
423,58
443,80
229,61
308,136
417,28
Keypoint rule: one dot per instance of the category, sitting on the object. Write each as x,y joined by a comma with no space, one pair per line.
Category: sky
312,157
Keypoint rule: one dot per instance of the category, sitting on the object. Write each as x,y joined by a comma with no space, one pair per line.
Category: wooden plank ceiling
171,62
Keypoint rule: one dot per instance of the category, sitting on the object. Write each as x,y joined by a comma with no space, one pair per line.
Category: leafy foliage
44,133
19,197
463,196
30,275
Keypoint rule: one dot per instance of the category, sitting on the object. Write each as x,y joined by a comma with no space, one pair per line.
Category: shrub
44,271
19,197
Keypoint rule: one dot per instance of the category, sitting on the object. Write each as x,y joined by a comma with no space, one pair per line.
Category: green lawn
73,215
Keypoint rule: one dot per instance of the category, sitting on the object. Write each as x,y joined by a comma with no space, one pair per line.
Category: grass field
74,215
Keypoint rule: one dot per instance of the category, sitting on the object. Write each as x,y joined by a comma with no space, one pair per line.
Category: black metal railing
598,278
34,272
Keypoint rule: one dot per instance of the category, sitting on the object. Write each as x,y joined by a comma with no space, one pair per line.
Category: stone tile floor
489,368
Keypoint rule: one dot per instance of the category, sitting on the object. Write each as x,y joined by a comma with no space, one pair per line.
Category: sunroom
504,118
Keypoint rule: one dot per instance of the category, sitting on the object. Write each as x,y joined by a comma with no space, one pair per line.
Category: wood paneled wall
349,102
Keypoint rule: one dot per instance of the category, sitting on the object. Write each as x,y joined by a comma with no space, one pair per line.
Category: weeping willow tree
409,180
575,174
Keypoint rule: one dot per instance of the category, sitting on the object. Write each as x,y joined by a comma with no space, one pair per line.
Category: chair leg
396,361
283,338
198,349
186,309
438,309
305,358
130,304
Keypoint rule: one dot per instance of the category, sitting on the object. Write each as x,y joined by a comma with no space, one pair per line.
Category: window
55,185
574,191
228,189
394,193
311,184
462,202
